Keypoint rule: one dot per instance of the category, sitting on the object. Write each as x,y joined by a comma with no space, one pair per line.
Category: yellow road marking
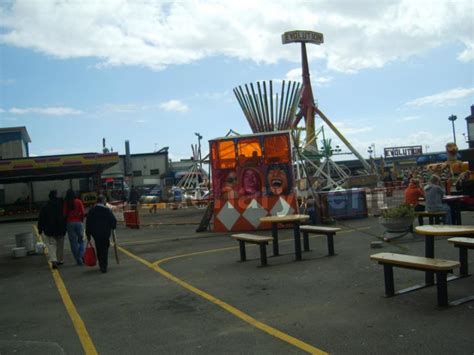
236,312
79,326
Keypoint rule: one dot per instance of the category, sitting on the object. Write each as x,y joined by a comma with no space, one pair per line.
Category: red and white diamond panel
244,214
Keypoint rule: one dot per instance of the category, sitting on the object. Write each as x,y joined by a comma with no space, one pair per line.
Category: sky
388,74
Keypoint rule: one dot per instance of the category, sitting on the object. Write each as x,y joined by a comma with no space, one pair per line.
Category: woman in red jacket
74,213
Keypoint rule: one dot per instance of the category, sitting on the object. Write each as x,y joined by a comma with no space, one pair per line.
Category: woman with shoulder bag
74,213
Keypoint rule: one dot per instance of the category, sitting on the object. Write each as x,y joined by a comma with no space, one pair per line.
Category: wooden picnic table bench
253,239
440,267
433,217
463,244
329,232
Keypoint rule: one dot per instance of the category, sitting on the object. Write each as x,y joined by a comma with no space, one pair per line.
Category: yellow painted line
79,326
236,312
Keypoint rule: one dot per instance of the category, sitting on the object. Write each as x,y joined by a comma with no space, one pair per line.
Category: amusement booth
252,177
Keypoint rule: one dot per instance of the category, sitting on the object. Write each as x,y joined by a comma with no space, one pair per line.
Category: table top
285,219
447,198
444,230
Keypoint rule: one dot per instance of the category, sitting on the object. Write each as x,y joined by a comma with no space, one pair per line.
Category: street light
453,118
371,149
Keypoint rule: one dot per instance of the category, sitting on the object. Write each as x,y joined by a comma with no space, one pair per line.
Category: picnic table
453,201
294,219
432,231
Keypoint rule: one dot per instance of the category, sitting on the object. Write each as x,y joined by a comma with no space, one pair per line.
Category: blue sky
390,73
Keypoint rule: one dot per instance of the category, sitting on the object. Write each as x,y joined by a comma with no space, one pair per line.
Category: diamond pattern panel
282,208
254,212
228,215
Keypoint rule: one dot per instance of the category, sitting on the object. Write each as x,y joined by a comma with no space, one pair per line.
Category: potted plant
397,219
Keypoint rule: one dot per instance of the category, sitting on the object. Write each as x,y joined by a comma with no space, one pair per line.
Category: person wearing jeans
74,213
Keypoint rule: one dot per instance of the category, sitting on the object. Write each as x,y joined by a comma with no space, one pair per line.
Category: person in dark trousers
133,198
100,222
52,223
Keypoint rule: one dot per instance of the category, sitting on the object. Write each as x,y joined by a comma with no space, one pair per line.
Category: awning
58,167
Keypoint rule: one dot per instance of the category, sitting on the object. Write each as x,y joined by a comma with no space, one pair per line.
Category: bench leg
305,241
420,220
263,254
243,255
330,244
429,253
463,260
296,231
388,277
275,239
442,288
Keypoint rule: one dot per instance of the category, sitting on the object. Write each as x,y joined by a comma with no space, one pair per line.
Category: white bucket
39,247
26,240
19,252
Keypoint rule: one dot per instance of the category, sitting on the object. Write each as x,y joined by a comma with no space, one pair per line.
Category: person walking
100,222
51,222
74,213
434,194
133,198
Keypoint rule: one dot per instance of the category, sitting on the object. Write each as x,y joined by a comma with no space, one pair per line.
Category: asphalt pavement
180,292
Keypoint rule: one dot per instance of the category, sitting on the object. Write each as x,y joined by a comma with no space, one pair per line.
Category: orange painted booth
252,177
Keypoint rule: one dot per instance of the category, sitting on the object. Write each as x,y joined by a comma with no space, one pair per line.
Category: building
14,143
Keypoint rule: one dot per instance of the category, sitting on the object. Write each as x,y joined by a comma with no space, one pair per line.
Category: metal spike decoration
265,110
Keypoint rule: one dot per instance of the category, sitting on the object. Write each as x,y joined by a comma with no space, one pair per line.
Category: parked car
149,193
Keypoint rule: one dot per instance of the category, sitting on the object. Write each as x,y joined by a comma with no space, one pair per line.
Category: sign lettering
302,36
409,151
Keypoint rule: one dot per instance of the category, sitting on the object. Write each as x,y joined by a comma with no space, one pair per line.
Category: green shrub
402,211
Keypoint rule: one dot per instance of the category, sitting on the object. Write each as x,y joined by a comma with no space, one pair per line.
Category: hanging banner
394,152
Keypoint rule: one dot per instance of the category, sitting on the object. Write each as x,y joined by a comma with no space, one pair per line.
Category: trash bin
26,240
131,219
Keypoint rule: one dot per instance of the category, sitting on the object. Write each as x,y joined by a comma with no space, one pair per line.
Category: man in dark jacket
99,224
52,223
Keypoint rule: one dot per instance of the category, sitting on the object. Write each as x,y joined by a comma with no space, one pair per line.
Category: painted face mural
251,183
229,186
277,180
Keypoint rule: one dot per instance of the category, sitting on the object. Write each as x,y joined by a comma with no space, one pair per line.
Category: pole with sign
307,105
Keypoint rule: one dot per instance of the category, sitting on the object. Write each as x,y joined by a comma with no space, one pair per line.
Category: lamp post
199,137
453,118
371,149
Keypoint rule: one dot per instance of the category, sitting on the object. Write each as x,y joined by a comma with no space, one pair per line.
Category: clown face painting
277,179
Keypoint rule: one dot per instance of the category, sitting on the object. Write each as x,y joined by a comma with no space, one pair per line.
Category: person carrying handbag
74,213
99,224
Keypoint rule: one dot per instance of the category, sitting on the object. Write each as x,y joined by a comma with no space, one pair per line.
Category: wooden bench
463,244
433,217
440,267
253,239
329,232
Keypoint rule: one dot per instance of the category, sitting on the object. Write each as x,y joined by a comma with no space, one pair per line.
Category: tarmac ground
180,292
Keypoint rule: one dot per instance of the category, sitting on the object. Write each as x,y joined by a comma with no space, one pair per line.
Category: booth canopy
56,167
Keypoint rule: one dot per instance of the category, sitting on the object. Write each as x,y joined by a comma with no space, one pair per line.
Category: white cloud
141,121
347,129
215,95
46,111
358,35
444,98
174,105
409,118
2,110
317,79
